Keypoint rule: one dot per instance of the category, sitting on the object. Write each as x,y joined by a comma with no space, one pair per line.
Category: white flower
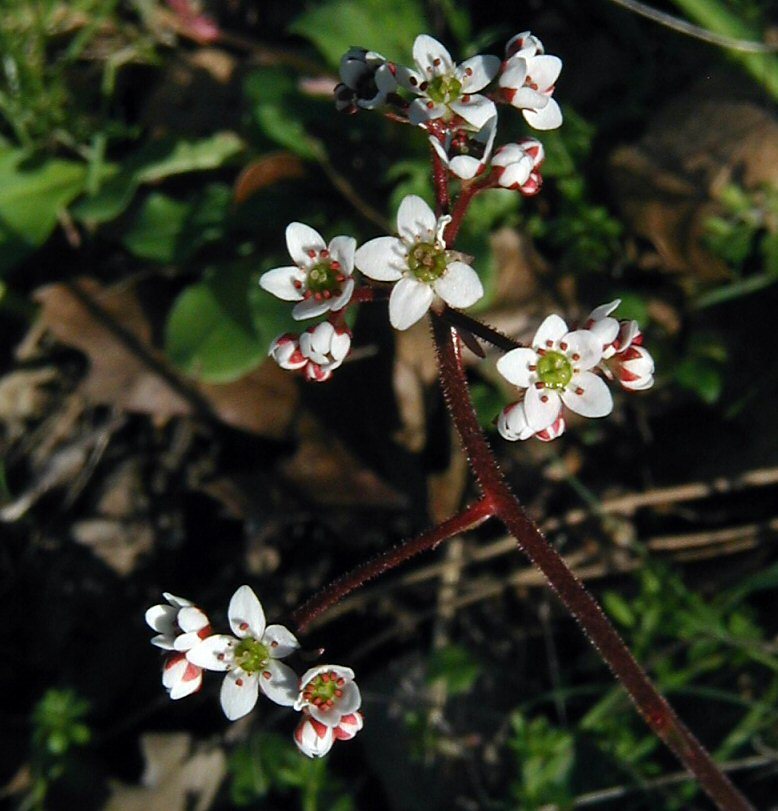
420,264
527,81
250,657
315,739
512,425
446,89
517,166
466,154
180,627
320,280
623,358
318,351
366,80
555,370
329,693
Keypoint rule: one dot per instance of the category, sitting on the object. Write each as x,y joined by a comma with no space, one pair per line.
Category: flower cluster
559,369
250,658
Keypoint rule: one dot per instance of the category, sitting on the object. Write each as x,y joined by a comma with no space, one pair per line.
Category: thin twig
695,31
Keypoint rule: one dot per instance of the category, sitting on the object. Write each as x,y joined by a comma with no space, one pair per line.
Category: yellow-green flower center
324,690
251,655
324,277
555,370
444,89
427,262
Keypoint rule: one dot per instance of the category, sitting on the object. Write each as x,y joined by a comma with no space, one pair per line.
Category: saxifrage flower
315,739
317,352
446,89
329,693
366,77
555,371
251,657
466,154
320,280
420,264
517,166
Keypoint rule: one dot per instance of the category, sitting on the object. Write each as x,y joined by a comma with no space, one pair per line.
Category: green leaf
32,194
280,111
455,666
169,230
210,331
151,164
702,376
618,608
386,26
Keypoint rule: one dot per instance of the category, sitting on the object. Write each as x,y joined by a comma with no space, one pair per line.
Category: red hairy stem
470,518
469,190
654,708
486,333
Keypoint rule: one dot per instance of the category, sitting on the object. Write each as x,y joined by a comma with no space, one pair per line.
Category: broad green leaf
210,331
386,26
151,164
32,194
280,111
168,230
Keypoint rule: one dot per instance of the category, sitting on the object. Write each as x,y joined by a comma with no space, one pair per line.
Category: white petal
552,329
239,693
514,366
321,337
476,111
339,302
185,642
161,618
594,399
280,641
482,70
342,250
516,174
349,725
280,282
382,259
245,614
427,51
544,70
603,310
352,71
341,345
409,78
409,302
213,653
174,668
385,81
343,672
465,166
300,240
512,423
191,618
529,98
416,221
310,308
549,118
313,738
177,602
459,286
281,685
541,407
189,682
514,74
164,641
423,110
439,149
586,345
351,700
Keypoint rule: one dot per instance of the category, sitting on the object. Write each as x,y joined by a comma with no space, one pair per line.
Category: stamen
549,343
544,398
239,682
563,346
579,391
243,626
266,674
576,356
312,254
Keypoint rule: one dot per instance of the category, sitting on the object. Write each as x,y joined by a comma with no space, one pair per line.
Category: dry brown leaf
330,475
667,185
266,171
262,402
172,776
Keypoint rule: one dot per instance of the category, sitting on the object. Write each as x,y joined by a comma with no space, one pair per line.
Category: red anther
327,294
539,384
330,703
307,294
297,284
576,356
312,254
413,80
317,296
468,71
544,398
436,61
466,98
532,367
239,682
220,657
307,696
549,343
563,346
335,265
317,700
340,682
339,693
324,253
325,677
274,644
340,278
430,105
243,626
579,391
266,674
423,86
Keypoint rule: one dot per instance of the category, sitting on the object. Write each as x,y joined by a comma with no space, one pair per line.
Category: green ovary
555,370
322,277
426,262
251,655
444,89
